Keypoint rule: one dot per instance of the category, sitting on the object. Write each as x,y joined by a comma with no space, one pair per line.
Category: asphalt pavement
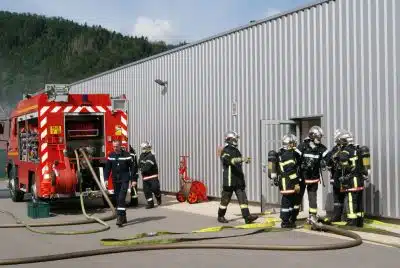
20,242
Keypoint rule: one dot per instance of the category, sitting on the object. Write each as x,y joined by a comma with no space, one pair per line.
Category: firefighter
313,153
149,169
332,163
284,171
355,165
121,166
135,176
233,178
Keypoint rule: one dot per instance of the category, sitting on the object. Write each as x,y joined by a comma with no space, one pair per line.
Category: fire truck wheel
16,194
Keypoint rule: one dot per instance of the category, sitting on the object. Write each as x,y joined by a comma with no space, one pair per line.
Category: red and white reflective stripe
308,181
150,177
80,109
45,172
74,109
124,126
287,192
354,189
43,144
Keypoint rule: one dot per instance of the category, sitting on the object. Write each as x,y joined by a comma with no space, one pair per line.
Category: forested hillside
35,50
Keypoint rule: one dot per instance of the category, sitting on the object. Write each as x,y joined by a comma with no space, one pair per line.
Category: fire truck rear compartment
86,131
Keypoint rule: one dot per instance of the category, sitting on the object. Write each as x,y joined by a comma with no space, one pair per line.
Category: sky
171,21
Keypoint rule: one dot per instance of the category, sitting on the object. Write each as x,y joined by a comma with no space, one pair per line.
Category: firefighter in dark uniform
121,166
313,153
332,163
355,164
134,196
233,178
149,169
283,169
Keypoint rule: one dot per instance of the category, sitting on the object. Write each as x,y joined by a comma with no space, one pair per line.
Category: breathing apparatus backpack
363,154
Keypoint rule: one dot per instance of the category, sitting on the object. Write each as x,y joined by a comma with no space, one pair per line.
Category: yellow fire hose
178,243
134,244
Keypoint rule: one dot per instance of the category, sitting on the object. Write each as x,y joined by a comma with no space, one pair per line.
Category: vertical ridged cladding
338,58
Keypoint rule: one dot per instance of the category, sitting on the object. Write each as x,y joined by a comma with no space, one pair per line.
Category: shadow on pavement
144,219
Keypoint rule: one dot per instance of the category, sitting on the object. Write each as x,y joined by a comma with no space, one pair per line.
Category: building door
271,135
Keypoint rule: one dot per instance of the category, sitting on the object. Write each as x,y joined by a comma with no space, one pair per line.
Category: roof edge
237,29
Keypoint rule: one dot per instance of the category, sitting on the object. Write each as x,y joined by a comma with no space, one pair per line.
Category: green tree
35,50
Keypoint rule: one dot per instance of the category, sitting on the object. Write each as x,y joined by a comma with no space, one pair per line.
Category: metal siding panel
338,59
390,154
396,111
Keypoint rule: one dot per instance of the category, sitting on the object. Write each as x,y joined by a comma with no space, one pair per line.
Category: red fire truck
46,128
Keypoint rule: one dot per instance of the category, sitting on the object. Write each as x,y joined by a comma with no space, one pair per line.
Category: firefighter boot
351,222
288,224
124,220
222,220
120,220
360,222
150,204
159,201
337,213
221,215
249,219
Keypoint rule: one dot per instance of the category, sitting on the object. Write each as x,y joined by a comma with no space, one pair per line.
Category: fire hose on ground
133,244
89,219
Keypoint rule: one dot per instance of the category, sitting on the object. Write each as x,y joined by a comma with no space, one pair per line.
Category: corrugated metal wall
338,59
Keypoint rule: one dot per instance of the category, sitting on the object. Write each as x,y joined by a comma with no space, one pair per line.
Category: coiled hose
166,244
89,219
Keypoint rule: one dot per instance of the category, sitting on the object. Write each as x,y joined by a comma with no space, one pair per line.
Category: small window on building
1,128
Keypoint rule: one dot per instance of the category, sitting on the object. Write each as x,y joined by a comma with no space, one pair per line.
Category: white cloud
272,11
155,30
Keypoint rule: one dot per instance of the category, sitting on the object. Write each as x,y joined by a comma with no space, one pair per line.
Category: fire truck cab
46,128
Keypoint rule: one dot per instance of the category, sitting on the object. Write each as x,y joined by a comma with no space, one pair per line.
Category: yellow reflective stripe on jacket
235,160
225,154
353,161
286,163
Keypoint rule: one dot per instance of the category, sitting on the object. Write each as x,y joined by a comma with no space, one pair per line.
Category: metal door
271,135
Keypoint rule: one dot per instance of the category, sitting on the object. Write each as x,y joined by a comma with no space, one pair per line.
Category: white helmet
145,146
315,134
337,135
289,141
231,137
346,138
